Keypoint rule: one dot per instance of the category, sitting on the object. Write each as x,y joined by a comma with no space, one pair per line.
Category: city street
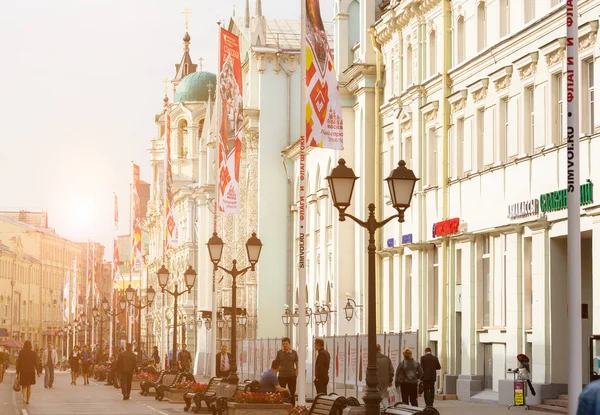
64,399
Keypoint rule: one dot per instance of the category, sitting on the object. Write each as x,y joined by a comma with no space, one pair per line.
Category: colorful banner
65,293
88,266
232,119
116,259
172,233
136,240
74,287
324,124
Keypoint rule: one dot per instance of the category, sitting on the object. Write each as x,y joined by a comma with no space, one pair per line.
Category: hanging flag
136,240
172,233
74,287
65,297
324,125
88,264
232,118
116,260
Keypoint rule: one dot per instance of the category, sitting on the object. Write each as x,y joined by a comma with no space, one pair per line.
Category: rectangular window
480,138
486,283
433,157
435,287
504,18
481,26
460,145
558,108
590,96
529,112
408,293
529,8
527,282
408,155
432,53
505,133
458,266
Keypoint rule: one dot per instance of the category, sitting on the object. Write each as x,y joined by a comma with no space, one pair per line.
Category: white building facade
482,275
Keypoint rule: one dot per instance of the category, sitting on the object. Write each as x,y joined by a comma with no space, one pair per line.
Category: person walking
50,360
173,359
408,374
321,367
385,376
288,367
430,365
185,359
74,363
126,365
156,357
223,359
86,360
26,368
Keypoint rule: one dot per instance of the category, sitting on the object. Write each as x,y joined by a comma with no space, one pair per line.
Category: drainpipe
377,48
446,63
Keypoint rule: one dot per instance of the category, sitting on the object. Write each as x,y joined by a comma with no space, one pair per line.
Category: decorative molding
479,89
554,51
430,111
501,78
405,119
587,35
527,65
458,100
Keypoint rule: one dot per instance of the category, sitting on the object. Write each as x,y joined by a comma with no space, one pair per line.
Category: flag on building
171,231
116,271
65,293
231,110
136,240
324,125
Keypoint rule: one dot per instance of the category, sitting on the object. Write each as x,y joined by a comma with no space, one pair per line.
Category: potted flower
176,393
250,403
139,377
299,410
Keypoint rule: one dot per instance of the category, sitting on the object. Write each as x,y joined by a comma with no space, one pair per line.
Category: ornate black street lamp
401,183
163,280
150,294
215,250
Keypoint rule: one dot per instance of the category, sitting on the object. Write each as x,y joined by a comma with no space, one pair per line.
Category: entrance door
488,366
458,344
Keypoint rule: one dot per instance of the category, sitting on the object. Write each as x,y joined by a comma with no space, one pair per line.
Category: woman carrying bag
26,367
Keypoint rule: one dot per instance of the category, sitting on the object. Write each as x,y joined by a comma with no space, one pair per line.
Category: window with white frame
529,9
481,26
461,42
527,282
486,281
433,294
460,145
408,292
408,153
499,281
458,273
505,130
392,78
557,108
504,17
588,72
432,53
480,121
409,65
529,112
433,157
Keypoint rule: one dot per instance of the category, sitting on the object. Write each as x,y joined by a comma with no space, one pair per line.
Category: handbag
16,384
420,388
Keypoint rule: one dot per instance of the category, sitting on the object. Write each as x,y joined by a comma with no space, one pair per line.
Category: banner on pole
74,287
172,232
65,293
324,124
116,259
232,117
136,248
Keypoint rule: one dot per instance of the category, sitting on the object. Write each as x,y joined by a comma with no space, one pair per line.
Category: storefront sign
522,209
407,239
446,227
391,242
557,200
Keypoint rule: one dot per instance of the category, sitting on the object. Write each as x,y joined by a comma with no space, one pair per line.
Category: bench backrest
168,379
212,385
328,405
401,409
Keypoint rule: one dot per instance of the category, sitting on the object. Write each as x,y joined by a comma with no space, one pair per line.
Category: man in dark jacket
385,376
185,359
321,367
125,367
222,363
430,365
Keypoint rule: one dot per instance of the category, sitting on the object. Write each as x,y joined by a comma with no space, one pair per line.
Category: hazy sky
80,83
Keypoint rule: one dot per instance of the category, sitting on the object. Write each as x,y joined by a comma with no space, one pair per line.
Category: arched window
432,53
409,65
182,139
481,28
354,29
317,296
328,292
460,40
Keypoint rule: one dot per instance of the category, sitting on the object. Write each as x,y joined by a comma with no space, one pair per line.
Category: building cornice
501,78
458,100
292,152
478,89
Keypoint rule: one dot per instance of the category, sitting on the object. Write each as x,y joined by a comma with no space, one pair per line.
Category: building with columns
479,266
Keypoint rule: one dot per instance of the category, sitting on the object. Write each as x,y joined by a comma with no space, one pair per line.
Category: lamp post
150,294
106,306
163,280
97,315
215,250
349,308
401,183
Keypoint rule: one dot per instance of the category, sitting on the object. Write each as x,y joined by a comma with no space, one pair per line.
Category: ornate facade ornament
479,89
430,111
405,119
554,52
527,65
587,35
458,100
501,78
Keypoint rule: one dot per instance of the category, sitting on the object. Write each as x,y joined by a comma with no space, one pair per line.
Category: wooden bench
220,405
331,404
401,409
198,397
166,386
145,385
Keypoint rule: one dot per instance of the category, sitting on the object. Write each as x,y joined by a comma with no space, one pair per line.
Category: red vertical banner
136,240
231,121
171,232
324,126
116,260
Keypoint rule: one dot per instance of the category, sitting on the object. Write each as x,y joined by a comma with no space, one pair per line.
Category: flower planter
176,395
135,385
234,408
